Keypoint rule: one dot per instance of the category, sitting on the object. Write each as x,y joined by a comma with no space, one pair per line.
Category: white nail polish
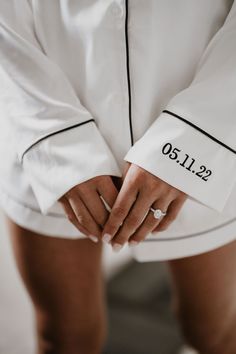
117,247
107,238
93,238
133,243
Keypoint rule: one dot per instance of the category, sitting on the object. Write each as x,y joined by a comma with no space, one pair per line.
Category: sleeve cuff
187,159
58,162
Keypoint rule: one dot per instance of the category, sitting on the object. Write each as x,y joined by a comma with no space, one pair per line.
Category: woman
118,122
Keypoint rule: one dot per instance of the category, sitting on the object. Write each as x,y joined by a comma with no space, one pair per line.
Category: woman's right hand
84,206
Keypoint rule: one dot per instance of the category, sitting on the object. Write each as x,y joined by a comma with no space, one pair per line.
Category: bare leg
205,299
64,280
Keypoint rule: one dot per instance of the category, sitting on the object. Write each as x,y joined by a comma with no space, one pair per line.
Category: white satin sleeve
192,144
57,140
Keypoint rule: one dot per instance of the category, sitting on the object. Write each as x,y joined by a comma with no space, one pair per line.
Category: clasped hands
130,198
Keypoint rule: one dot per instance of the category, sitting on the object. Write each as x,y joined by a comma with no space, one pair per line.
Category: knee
81,336
208,336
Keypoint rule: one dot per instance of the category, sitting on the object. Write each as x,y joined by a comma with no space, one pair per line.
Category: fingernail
133,243
117,247
107,238
93,238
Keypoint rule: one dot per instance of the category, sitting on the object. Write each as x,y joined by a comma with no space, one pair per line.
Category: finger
94,204
83,215
108,192
120,209
73,219
173,211
150,222
134,218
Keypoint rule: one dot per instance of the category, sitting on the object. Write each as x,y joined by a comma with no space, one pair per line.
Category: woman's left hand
131,219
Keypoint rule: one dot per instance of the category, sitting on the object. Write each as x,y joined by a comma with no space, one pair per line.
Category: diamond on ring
157,213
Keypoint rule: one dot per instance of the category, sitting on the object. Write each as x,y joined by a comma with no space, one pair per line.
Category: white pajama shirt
86,85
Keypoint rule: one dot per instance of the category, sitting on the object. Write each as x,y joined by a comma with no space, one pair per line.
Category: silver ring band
157,213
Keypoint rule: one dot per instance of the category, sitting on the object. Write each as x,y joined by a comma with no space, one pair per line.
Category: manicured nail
117,247
93,238
133,243
107,238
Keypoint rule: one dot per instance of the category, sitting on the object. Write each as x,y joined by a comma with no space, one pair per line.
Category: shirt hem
54,225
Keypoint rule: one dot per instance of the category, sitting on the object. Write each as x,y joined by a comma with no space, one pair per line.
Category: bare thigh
65,282
205,299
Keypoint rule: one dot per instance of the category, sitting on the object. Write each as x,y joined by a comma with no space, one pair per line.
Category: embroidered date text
187,163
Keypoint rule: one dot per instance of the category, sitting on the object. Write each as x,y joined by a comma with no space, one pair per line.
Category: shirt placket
120,13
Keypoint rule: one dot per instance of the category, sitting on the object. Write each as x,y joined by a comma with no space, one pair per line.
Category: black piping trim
128,70
201,130
157,239
58,131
